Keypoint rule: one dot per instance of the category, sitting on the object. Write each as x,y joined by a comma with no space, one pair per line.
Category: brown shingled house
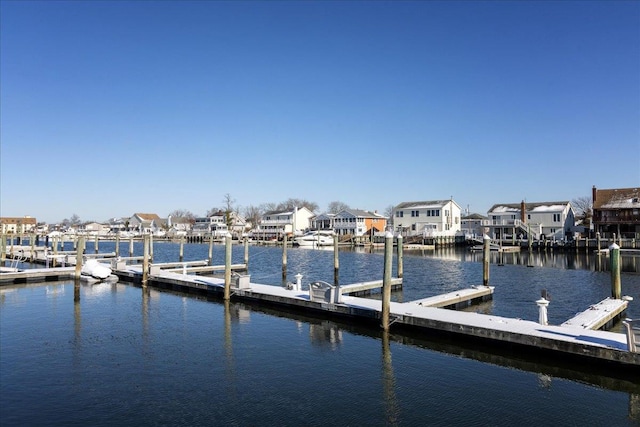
617,211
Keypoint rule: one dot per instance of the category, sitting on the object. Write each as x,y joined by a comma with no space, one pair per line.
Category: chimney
593,195
523,212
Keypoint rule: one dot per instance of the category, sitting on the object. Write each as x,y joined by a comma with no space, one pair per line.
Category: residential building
275,224
17,225
358,222
146,223
93,229
541,220
473,225
616,211
435,218
323,221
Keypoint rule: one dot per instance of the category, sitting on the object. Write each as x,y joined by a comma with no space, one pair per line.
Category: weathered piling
386,281
181,248
614,258
486,256
3,248
284,259
117,245
54,261
131,246
227,267
151,247
598,241
246,252
211,249
79,254
95,243
336,260
32,254
145,260
400,256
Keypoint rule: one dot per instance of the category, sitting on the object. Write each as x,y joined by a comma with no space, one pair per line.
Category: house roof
359,213
530,207
617,198
423,204
17,220
474,216
147,216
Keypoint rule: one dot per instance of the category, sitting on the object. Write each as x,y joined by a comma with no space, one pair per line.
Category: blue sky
114,107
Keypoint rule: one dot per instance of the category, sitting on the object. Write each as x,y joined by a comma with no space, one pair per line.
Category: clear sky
108,108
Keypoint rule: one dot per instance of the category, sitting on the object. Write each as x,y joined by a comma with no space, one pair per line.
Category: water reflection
389,383
325,335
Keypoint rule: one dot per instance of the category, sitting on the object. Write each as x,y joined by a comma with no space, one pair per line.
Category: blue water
115,354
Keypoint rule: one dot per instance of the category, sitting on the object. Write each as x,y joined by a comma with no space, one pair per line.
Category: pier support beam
400,256
145,260
284,259
181,248
211,249
117,245
131,246
227,267
79,254
246,252
614,258
386,281
486,256
336,260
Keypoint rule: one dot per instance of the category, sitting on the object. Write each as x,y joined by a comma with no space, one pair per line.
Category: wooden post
131,246
486,256
96,244
598,241
336,259
284,259
151,247
55,252
227,267
145,260
614,256
400,250
181,248
386,281
117,245
211,249
79,257
246,252
3,248
32,254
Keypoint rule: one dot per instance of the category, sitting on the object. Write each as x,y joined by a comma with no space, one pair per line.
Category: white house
473,225
358,222
433,218
276,223
550,220
323,221
145,223
94,229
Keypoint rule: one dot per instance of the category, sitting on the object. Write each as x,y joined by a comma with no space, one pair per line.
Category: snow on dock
599,315
459,298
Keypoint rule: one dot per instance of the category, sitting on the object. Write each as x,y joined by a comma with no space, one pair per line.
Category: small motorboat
95,271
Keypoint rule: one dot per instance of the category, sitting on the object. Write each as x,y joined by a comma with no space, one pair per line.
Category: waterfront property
616,212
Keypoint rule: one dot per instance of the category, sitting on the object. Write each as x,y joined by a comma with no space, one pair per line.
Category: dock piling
486,255
227,267
181,248
246,252
79,254
400,256
284,259
211,249
614,258
145,260
117,245
386,282
336,260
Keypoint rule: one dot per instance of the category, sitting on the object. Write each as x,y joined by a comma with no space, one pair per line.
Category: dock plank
598,315
461,296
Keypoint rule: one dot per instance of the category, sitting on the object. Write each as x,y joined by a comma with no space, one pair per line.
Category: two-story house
543,220
356,222
616,211
275,224
323,221
435,218
17,225
145,223
473,225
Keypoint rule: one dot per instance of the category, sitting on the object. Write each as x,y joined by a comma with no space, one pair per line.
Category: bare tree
183,213
228,209
213,211
388,211
253,214
290,204
74,220
582,206
336,206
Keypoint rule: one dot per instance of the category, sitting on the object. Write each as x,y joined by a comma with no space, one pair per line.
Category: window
399,214
556,217
415,213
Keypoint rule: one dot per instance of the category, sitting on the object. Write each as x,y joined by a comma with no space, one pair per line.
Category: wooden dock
38,275
458,299
599,315
366,287
593,346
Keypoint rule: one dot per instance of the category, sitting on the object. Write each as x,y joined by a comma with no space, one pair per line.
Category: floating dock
599,315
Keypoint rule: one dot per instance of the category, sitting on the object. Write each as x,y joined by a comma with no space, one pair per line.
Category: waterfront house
145,223
17,225
473,225
275,224
323,221
616,211
434,218
543,220
356,222
93,229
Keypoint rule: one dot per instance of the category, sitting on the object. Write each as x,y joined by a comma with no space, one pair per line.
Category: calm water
115,354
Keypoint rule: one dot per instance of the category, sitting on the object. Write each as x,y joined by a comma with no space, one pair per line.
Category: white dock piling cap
614,246
388,235
485,237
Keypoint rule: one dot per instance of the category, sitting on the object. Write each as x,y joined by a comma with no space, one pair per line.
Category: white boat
94,271
315,238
